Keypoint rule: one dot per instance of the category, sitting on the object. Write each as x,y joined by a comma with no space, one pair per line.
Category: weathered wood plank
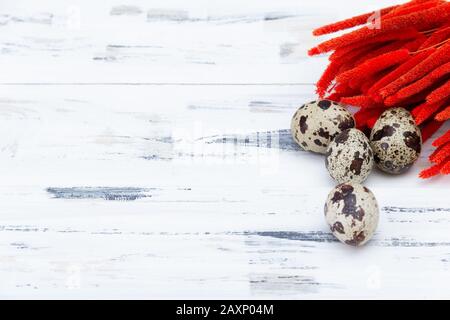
177,191
165,41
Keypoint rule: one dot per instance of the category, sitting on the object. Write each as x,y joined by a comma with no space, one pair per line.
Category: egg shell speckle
396,141
349,157
352,213
315,124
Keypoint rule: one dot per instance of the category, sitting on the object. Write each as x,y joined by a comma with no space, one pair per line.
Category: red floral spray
405,61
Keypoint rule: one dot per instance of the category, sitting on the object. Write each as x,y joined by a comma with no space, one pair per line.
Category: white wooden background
145,153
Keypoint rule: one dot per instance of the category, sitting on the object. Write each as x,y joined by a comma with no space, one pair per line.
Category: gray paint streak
104,193
390,209
283,284
299,237
170,15
316,236
39,18
280,139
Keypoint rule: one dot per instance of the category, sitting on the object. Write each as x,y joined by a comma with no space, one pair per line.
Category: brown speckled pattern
315,124
349,157
396,141
351,212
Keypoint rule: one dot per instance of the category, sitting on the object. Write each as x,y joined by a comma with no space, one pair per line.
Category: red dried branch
348,23
422,20
380,37
405,62
446,167
413,8
440,93
364,115
358,51
429,129
335,68
344,52
327,77
443,115
425,111
345,90
440,154
361,101
369,82
397,73
414,45
423,83
436,59
437,37
434,170
380,50
443,139
371,122
341,90
374,65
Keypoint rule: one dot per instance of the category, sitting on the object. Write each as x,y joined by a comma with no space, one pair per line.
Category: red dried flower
404,63
443,139
348,23
364,115
430,128
446,167
423,83
438,58
437,37
423,20
434,170
413,8
425,111
374,65
361,101
395,74
440,154
440,93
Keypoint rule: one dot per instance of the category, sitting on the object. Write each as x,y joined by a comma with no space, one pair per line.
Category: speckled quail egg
315,124
349,157
396,141
352,213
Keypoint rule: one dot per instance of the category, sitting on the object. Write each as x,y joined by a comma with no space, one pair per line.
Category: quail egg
396,141
351,212
315,124
349,157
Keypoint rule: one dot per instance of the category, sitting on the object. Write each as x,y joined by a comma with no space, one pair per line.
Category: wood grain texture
114,185
173,41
